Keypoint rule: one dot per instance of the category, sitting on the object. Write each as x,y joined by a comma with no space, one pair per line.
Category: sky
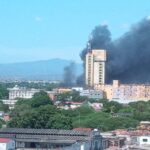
33,30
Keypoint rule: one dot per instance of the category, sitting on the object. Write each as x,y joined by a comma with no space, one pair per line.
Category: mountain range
37,70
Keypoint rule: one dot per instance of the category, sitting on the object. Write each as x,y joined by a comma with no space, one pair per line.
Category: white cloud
38,19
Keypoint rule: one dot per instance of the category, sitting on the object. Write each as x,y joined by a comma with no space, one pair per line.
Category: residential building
52,95
114,142
96,106
95,67
144,125
7,144
144,140
125,92
62,90
79,89
94,94
138,138
4,116
21,92
69,105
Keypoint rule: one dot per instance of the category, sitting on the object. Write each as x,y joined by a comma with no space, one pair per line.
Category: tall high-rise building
95,67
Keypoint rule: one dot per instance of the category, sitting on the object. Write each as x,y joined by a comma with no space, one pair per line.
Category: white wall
3,146
7,146
144,140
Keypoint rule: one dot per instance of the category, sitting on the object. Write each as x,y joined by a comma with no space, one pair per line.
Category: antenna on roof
89,45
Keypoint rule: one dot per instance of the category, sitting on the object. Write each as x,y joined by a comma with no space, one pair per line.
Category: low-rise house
7,144
144,140
138,138
52,95
4,116
96,106
83,129
114,142
144,125
21,92
62,90
79,89
69,105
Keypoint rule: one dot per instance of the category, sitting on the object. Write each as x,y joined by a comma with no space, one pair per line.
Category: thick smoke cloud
69,77
128,56
99,38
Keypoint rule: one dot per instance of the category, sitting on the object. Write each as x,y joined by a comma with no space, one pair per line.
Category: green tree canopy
3,92
47,116
3,107
39,99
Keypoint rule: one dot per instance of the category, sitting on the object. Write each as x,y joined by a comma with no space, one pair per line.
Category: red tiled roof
82,129
4,140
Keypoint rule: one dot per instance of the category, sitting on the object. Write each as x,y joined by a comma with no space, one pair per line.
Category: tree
3,92
39,99
63,97
71,96
140,106
113,123
47,116
2,122
111,106
4,107
84,110
24,101
20,110
126,109
59,121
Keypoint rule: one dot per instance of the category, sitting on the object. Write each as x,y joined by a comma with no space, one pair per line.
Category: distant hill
37,70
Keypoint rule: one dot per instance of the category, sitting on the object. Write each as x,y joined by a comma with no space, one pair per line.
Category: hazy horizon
40,60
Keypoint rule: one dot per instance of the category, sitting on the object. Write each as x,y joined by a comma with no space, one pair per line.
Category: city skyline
40,30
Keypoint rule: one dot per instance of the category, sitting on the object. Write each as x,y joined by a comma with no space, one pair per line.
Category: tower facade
95,67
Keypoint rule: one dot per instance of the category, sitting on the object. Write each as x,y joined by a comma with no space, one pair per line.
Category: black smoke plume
128,57
69,77
99,38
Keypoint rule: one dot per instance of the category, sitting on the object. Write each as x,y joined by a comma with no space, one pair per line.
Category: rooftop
50,135
4,140
145,122
43,131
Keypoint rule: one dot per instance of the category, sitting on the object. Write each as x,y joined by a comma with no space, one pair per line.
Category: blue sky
44,29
